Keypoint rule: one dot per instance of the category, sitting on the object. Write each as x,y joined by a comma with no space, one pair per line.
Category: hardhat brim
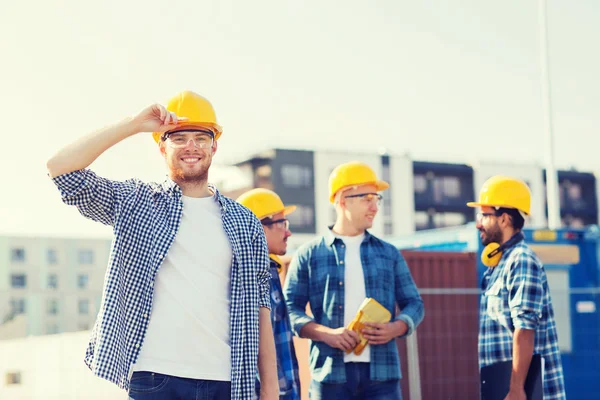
379,185
286,211
217,129
475,204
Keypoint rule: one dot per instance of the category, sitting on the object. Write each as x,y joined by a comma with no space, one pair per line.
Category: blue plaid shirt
516,295
287,363
145,219
316,276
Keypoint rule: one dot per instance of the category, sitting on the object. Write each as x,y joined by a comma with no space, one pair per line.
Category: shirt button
341,262
137,345
341,283
340,307
145,315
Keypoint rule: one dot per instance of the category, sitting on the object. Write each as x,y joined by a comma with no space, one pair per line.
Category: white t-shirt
354,289
188,331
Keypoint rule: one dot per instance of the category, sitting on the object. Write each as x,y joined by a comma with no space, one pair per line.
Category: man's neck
507,234
195,189
343,227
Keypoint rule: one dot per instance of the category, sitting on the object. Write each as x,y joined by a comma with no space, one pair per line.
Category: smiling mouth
190,160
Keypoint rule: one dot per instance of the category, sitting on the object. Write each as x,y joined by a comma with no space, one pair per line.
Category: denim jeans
358,386
152,386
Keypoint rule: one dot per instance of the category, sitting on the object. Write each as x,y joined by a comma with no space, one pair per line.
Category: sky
455,81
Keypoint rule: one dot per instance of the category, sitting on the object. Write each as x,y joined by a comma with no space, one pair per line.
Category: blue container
570,257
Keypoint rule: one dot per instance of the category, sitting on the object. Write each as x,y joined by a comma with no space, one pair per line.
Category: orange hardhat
350,174
198,111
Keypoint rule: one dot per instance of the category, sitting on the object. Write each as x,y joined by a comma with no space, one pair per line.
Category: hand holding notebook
369,311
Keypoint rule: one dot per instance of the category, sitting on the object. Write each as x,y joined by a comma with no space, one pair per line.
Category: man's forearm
523,345
81,153
267,357
314,331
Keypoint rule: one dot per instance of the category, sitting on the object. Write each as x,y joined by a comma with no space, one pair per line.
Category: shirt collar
275,261
170,187
330,237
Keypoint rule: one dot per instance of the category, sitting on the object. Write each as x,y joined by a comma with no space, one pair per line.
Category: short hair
516,218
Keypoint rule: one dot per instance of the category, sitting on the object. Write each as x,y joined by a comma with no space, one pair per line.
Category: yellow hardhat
350,174
198,110
264,203
504,191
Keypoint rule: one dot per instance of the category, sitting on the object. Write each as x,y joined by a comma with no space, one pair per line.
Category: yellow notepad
369,311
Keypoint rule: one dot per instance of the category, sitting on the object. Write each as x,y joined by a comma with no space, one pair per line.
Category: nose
478,224
288,233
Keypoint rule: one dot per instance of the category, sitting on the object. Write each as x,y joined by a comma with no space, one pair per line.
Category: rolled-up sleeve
525,292
95,197
407,296
263,273
296,291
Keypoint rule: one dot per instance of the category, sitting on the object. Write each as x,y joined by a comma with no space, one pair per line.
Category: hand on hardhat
156,118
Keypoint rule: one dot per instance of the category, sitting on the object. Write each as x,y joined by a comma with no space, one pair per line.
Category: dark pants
152,386
358,386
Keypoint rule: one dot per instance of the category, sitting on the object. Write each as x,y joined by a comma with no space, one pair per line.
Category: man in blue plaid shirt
268,207
335,273
516,314
186,304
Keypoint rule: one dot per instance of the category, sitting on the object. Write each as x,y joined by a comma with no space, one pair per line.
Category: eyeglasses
367,197
481,215
283,224
201,139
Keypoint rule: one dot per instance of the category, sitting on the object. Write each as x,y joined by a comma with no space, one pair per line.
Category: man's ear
214,147
161,148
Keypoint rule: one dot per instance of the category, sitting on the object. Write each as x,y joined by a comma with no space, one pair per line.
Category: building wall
51,368
52,269
401,192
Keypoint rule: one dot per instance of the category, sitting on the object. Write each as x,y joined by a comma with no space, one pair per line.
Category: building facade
54,283
423,195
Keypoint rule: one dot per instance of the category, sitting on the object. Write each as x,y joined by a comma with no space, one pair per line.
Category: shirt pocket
494,301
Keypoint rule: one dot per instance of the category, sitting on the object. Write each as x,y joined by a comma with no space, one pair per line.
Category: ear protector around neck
492,253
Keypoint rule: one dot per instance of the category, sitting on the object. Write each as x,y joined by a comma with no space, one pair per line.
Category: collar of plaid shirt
146,218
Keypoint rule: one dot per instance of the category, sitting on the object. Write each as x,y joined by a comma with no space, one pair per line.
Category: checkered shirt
145,219
316,276
287,363
516,295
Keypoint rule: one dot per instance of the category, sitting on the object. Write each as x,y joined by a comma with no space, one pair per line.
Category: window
86,257
303,216
52,281
388,228
12,378
262,177
296,175
51,256
18,281
82,281
420,183
52,307
17,306
441,220
421,220
84,307
17,255
445,187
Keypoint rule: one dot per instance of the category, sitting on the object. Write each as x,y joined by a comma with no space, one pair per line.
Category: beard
198,175
491,235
